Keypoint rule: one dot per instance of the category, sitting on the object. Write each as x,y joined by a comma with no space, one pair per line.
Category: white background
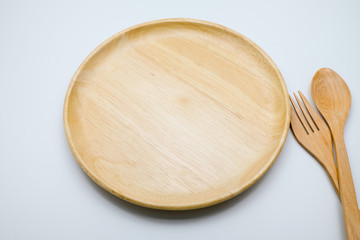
45,195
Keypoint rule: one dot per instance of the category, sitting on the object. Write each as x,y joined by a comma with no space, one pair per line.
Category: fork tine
296,125
319,122
306,114
300,116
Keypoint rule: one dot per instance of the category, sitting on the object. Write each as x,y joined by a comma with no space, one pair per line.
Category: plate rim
218,199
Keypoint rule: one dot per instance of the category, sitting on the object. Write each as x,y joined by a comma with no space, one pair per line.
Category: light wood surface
314,136
176,114
332,97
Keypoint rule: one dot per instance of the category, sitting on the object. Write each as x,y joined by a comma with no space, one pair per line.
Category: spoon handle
347,190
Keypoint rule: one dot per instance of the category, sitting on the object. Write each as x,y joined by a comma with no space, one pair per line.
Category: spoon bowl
331,96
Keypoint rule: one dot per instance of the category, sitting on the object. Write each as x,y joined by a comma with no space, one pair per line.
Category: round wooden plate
176,114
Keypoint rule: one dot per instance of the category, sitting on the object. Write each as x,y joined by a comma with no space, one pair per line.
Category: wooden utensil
332,97
176,114
313,134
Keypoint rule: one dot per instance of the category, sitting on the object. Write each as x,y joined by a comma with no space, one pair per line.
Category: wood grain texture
333,99
314,136
176,114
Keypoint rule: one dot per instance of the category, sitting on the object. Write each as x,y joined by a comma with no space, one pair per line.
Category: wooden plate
176,114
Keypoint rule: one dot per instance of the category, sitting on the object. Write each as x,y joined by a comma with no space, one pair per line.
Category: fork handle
347,191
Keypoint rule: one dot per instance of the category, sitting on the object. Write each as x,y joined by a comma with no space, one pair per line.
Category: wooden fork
313,134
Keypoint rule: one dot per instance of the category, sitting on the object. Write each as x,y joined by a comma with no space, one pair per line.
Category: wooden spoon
332,97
